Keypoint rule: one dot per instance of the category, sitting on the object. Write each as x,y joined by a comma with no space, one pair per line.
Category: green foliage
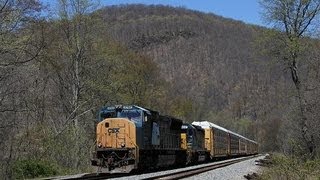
290,167
182,108
221,118
40,142
32,168
122,76
63,148
244,126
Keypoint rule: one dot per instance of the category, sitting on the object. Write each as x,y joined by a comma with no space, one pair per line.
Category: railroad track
199,170
175,175
89,176
94,176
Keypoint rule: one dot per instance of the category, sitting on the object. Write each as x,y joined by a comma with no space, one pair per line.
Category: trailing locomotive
192,140
135,138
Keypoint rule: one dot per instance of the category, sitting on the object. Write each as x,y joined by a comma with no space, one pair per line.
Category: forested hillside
57,71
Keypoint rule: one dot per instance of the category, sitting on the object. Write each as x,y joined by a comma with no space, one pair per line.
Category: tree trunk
307,137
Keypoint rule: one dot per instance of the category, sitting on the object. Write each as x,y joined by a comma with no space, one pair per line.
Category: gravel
234,171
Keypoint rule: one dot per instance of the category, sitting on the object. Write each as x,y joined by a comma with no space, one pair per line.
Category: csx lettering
113,130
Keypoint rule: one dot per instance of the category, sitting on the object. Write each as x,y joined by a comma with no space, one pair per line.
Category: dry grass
287,167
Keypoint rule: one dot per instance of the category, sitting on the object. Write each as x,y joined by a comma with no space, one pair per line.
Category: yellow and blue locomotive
132,137
192,140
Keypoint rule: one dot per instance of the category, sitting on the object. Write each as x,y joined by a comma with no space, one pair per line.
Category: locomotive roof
110,108
188,125
236,134
148,111
207,124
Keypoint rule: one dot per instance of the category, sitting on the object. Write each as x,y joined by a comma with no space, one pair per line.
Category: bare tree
21,43
75,27
295,18
17,47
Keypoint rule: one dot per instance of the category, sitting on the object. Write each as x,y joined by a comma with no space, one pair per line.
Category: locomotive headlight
99,145
123,145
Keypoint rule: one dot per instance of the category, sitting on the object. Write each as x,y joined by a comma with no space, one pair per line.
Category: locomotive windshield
133,115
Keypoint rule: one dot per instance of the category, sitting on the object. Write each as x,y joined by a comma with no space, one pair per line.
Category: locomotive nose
116,133
116,146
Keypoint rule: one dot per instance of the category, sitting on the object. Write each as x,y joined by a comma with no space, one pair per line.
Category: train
132,138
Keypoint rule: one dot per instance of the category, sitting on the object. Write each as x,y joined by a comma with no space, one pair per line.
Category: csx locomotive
135,138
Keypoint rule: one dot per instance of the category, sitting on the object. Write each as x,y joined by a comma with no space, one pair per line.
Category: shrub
32,168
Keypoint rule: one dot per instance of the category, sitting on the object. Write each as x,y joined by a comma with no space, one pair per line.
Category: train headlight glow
123,145
99,145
